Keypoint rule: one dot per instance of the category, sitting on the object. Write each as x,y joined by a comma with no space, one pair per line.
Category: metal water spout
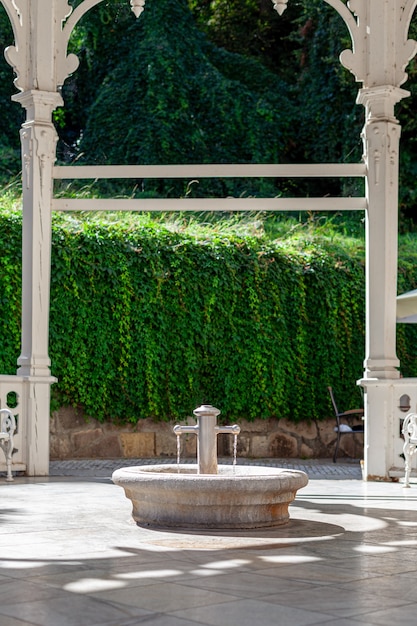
207,430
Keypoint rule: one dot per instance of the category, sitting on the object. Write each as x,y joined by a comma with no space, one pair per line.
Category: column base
387,402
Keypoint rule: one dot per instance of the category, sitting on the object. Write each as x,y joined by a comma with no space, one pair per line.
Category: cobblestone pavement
314,468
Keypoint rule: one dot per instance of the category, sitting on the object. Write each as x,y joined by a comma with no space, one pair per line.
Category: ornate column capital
380,102
39,104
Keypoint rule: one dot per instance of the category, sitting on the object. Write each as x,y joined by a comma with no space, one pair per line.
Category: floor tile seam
335,613
355,588
407,573
226,599
178,615
344,587
183,583
165,582
323,583
124,607
67,595
399,602
354,621
177,612
284,576
275,605
135,621
25,621
349,619
139,619
370,572
300,579
234,595
370,612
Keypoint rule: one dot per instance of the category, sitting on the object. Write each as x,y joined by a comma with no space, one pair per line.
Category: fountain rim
189,472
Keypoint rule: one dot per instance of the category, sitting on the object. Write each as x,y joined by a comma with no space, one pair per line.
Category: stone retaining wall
74,437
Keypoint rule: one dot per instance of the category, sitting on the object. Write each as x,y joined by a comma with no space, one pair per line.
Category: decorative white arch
380,53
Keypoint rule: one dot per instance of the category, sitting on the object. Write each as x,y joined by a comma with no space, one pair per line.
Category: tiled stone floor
70,555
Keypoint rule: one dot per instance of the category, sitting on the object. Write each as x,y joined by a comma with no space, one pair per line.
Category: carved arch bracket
17,55
39,55
374,27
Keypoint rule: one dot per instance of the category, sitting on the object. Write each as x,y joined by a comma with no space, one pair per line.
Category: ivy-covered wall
146,322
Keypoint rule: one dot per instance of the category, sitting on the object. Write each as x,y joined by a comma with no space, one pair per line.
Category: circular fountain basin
176,496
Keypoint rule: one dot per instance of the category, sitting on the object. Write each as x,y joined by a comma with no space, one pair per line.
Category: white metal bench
7,430
409,431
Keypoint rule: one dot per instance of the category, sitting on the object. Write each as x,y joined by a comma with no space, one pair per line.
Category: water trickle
178,453
234,452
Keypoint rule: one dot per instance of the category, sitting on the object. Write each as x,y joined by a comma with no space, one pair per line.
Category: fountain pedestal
207,495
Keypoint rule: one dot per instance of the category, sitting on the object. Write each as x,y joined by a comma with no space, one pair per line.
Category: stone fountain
208,496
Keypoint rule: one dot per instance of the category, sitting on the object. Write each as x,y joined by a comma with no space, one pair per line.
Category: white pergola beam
216,170
209,204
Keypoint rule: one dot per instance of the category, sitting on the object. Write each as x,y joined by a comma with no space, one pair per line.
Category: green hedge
150,323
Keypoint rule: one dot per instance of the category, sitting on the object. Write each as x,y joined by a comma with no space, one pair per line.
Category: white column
381,137
38,140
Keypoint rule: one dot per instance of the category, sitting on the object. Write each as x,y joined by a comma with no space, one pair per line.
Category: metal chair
341,427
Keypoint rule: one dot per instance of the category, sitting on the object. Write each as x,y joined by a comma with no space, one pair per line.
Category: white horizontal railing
209,204
219,170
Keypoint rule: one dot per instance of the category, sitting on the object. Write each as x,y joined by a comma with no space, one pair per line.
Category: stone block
165,443
326,432
68,418
189,446
283,446
137,445
260,446
108,447
243,445
59,447
351,446
83,440
306,452
304,429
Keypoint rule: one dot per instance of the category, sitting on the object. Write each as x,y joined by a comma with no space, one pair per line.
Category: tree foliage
182,100
11,113
294,57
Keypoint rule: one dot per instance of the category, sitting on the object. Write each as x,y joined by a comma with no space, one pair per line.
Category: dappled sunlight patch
206,572
156,573
230,563
373,549
289,559
22,564
90,585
